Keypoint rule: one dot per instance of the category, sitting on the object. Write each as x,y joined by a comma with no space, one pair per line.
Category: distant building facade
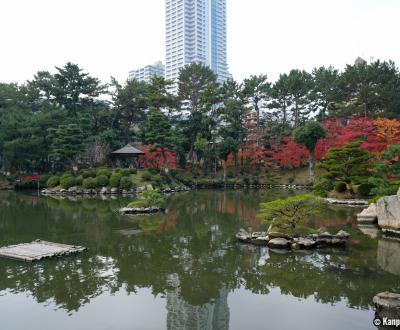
147,72
196,33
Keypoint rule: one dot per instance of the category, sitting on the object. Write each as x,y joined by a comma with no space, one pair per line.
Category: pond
184,269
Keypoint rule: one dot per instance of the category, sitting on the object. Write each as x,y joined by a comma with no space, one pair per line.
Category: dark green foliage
146,176
115,180
125,183
364,189
67,182
348,164
89,183
386,175
322,187
290,212
53,181
102,180
103,171
79,180
340,187
126,172
149,198
91,173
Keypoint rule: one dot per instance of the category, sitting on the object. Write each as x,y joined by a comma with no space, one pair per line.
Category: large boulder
368,215
387,304
388,211
279,243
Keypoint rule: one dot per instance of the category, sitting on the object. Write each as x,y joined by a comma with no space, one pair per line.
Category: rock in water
305,243
388,210
387,304
280,243
368,215
342,234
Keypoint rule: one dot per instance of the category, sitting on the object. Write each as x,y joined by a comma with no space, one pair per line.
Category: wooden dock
38,250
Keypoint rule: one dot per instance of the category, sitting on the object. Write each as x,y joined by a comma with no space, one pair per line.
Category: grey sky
108,38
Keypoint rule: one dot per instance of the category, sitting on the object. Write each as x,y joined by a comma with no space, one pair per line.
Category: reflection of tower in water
182,315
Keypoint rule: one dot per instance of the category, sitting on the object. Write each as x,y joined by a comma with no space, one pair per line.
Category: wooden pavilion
127,156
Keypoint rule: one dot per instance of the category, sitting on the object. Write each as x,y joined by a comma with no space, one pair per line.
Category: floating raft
38,250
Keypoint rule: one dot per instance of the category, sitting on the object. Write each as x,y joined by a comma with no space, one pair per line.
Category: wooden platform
38,250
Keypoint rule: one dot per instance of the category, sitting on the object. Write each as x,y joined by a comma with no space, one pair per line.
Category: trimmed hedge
89,183
125,183
103,171
67,182
53,181
115,180
102,180
91,173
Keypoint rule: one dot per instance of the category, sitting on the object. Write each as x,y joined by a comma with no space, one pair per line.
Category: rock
295,246
243,236
72,190
368,215
338,242
114,191
260,240
280,243
349,202
104,191
325,234
342,234
387,304
275,234
140,189
258,234
305,243
149,187
388,211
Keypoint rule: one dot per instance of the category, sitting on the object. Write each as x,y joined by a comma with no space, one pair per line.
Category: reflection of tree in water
191,258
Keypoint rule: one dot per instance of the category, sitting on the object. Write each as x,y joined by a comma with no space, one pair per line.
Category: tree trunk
311,166
225,162
165,161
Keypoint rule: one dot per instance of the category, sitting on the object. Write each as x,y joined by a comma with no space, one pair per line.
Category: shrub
153,170
322,187
91,173
89,183
102,180
66,175
53,181
115,179
157,179
133,170
340,187
103,171
146,176
152,198
79,180
125,183
125,172
364,189
67,182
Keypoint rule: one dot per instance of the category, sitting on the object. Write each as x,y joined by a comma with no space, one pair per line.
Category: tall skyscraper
196,32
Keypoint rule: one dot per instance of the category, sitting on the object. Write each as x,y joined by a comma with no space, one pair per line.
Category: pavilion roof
128,150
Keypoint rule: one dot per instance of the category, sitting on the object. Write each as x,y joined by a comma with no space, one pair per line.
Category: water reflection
187,256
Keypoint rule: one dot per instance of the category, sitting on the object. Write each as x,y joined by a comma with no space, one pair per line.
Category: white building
147,72
196,32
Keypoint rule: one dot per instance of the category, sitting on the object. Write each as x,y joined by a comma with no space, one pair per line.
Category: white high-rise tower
196,33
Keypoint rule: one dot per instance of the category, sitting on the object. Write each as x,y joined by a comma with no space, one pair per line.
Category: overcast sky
109,38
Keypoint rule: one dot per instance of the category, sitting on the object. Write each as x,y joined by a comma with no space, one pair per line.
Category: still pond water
183,269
